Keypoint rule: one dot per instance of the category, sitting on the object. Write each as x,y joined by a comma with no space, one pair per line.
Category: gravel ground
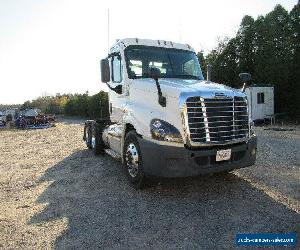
55,194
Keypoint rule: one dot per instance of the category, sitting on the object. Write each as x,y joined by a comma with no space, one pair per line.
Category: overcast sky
49,47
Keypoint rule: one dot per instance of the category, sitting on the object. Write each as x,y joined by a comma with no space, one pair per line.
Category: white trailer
261,102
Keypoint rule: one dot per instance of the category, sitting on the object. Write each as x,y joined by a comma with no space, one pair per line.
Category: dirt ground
55,194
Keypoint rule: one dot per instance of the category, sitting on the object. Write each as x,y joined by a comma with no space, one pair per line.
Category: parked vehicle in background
34,118
2,122
6,116
165,119
2,119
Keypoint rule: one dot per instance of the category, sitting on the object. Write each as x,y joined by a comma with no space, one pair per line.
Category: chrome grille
217,120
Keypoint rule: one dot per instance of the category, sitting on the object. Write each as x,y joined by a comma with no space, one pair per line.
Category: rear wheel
96,140
88,136
133,160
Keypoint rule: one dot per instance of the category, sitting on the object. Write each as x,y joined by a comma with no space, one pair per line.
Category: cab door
117,101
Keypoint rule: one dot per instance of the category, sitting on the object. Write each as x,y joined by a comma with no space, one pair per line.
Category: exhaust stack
208,73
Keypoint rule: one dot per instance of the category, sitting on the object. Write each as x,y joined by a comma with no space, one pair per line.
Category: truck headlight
164,131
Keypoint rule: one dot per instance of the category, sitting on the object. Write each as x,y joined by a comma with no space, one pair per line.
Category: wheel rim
132,160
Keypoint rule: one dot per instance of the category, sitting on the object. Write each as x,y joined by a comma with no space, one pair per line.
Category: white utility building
261,102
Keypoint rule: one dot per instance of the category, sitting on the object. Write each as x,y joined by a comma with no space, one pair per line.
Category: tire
132,159
96,139
88,136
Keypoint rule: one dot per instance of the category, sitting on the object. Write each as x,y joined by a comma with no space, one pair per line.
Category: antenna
108,30
179,26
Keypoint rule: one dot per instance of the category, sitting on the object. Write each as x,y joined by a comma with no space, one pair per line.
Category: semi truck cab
165,119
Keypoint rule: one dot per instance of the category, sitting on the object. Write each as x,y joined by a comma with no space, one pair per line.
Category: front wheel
133,160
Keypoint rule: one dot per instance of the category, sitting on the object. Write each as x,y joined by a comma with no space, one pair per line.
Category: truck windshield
172,63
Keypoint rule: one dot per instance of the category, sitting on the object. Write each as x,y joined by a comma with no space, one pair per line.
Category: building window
260,98
116,69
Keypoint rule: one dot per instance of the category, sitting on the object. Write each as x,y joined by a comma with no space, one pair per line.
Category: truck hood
143,99
176,87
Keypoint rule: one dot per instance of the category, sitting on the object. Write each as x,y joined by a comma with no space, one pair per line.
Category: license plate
223,155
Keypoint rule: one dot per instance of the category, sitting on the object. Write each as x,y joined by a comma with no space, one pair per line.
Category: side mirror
208,74
105,73
118,89
245,78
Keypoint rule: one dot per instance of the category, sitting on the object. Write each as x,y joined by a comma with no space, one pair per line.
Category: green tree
269,49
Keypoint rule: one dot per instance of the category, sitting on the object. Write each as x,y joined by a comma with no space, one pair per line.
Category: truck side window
116,69
260,98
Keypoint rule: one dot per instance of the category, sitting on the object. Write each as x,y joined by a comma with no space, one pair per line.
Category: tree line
268,47
83,105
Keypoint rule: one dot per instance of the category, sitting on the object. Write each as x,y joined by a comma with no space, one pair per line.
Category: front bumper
172,161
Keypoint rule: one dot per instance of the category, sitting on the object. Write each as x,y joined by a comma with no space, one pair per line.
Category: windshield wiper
155,73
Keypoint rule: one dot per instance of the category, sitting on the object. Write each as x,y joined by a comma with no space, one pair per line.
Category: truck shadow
103,211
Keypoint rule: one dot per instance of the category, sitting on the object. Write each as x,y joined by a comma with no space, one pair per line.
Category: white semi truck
165,119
